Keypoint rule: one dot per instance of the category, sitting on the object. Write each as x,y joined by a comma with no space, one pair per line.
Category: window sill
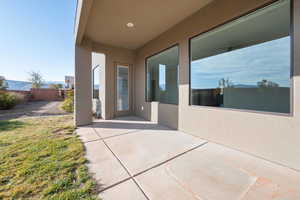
199,107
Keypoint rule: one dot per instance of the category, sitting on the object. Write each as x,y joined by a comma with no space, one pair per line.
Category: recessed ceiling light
130,25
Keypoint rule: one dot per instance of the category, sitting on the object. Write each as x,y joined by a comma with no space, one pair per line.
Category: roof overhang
105,21
83,9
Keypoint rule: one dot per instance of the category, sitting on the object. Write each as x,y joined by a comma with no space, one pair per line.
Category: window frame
146,72
118,66
292,66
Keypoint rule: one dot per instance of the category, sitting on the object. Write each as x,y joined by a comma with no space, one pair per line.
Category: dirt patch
32,109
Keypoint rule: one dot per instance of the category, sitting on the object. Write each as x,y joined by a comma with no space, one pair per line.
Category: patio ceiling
105,21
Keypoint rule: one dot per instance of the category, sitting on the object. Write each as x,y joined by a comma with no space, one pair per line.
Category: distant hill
25,86
245,86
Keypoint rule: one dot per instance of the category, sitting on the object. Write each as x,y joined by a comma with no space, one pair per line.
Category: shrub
7,100
68,103
20,98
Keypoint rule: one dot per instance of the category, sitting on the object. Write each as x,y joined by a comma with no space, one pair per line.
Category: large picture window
245,64
161,77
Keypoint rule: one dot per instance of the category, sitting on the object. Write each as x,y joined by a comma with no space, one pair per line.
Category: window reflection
162,77
96,82
248,69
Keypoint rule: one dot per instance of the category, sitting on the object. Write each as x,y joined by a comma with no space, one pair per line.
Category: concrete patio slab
123,125
144,149
215,172
87,134
104,167
168,164
126,191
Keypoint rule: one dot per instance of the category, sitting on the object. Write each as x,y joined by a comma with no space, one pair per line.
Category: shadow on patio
128,123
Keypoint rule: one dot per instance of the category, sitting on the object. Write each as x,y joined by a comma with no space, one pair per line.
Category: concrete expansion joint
127,171
133,176
103,138
170,159
108,137
93,141
245,152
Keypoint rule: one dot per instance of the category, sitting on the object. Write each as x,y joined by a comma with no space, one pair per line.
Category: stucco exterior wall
168,115
271,136
83,85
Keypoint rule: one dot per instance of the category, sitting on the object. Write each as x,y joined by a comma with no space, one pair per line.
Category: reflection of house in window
69,82
162,77
248,70
96,82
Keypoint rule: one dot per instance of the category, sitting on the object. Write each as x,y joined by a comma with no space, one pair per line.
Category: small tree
3,83
68,103
36,79
267,84
225,83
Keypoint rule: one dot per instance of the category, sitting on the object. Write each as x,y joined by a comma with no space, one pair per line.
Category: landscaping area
14,105
42,158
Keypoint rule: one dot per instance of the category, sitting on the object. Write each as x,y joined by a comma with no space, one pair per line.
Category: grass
41,158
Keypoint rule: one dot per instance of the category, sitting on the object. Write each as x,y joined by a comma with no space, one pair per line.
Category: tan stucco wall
83,86
273,137
113,55
165,114
168,115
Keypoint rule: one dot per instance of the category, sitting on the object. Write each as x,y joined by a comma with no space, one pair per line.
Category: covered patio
134,159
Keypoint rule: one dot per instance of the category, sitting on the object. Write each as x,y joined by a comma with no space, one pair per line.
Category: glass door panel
122,88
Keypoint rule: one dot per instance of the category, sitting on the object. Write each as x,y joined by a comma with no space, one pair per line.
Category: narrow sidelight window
96,81
162,77
245,64
122,88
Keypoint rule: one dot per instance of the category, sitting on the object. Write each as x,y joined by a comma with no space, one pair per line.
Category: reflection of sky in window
97,77
245,67
162,77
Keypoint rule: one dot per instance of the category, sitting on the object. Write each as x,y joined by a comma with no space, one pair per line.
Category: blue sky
162,76
247,66
37,35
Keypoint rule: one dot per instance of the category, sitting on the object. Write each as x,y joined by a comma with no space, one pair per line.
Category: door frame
130,89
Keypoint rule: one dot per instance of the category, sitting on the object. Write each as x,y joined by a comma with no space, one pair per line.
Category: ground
130,159
42,158
33,108
133,159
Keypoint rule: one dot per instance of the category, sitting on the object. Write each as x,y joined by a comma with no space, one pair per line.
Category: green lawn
42,158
